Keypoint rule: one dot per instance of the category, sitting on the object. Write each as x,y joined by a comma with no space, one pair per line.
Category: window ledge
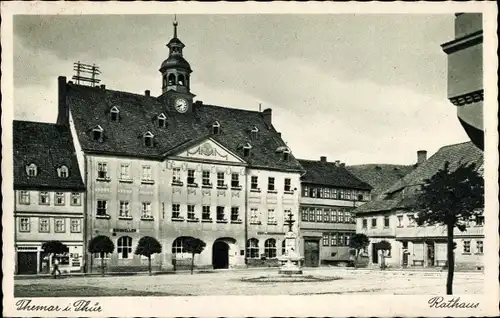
59,204
465,253
192,185
256,223
103,216
479,225
206,186
125,218
179,219
255,190
105,179
125,180
147,218
193,220
147,181
236,221
272,191
224,187
272,223
478,253
289,192
221,221
177,183
206,220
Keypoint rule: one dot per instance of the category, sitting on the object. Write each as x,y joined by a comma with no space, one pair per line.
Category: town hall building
171,167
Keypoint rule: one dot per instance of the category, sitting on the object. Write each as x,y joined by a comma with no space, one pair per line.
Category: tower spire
175,25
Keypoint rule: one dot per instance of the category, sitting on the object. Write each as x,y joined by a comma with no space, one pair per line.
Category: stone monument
290,262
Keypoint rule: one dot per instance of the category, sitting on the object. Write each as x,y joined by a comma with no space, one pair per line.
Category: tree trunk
356,256
451,260
102,264
192,263
149,264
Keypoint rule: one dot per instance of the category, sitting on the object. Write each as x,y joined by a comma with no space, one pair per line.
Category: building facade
49,197
171,168
391,217
329,192
465,73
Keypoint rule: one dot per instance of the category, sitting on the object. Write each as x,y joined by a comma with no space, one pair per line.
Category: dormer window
97,133
32,170
62,172
286,155
114,114
253,133
148,139
162,120
216,128
246,150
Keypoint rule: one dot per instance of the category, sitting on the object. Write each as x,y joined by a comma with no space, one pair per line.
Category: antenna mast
86,70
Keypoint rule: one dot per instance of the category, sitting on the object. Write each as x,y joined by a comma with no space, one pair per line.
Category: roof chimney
337,163
103,87
62,106
147,92
268,114
322,159
279,134
421,156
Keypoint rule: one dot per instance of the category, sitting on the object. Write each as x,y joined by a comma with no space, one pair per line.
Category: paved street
228,282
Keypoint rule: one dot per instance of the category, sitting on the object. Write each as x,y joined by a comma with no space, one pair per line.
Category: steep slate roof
380,176
90,107
48,146
330,174
402,194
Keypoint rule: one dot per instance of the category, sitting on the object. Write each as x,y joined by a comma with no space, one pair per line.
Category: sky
359,88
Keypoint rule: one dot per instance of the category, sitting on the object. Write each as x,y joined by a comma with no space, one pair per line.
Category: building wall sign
270,233
124,230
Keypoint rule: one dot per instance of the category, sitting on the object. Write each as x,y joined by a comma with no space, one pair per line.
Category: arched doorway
220,252
220,255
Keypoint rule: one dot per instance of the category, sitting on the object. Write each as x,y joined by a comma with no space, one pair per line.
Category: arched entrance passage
220,252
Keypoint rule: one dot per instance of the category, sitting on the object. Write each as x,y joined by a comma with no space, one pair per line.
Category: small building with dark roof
49,195
391,217
329,192
171,167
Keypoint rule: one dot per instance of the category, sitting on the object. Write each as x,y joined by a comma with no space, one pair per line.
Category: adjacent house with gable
49,197
391,217
329,194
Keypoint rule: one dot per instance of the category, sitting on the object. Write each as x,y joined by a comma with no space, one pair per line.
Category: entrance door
311,253
374,254
220,255
26,263
430,253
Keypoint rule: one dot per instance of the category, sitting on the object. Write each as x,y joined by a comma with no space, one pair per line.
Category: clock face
181,105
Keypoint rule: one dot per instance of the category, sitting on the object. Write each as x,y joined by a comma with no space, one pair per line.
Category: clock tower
175,72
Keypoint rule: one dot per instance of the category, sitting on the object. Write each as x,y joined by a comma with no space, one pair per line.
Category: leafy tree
194,246
101,244
148,246
383,246
358,242
54,247
451,198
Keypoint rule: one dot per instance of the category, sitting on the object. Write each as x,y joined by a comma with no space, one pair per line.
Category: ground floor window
270,248
253,248
479,247
179,248
124,247
326,239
